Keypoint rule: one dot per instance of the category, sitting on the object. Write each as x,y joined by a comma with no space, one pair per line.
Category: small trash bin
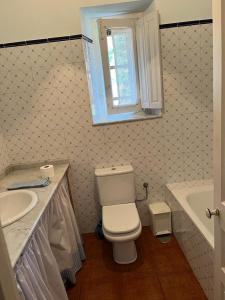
160,218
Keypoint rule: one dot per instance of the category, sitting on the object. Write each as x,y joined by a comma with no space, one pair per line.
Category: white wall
32,19
172,11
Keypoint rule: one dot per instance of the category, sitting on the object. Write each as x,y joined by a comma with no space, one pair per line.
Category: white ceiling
118,8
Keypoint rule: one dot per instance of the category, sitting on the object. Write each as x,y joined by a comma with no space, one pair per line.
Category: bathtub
192,229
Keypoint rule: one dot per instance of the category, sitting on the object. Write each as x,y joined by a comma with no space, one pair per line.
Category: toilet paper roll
47,171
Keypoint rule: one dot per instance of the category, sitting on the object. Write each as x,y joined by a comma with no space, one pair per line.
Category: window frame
103,25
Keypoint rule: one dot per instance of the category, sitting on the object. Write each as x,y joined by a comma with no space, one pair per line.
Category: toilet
120,219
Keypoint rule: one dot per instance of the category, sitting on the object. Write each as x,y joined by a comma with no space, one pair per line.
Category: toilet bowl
120,220
122,226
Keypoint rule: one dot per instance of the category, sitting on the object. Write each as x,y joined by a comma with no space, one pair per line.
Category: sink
16,204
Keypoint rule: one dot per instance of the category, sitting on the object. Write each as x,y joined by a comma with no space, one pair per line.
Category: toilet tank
115,185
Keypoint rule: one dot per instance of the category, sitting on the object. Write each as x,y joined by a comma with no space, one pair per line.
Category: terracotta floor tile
106,289
73,291
95,248
97,270
141,287
170,260
160,272
181,286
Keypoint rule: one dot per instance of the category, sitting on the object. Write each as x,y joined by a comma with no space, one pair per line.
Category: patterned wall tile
190,82
169,39
45,114
74,96
173,104
152,128
206,35
4,159
117,154
14,58
66,52
191,103
42,100
13,103
142,207
192,132
171,83
13,124
207,103
97,155
206,58
172,124
171,61
128,132
44,78
207,82
207,133
192,165
137,147
173,151
207,164
16,80
189,37
81,159
74,115
40,56
86,204
27,148
190,59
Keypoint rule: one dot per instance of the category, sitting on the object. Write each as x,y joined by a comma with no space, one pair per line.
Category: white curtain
37,271
64,236
55,247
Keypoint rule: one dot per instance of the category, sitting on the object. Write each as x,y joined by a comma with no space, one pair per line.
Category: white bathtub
195,200
192,229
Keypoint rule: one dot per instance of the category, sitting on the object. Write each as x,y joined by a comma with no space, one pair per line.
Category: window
124,68
119,56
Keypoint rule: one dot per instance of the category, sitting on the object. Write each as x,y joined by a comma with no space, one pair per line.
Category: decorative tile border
48,40
81,36
187,23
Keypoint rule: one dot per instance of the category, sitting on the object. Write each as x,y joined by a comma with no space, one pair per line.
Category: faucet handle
209,213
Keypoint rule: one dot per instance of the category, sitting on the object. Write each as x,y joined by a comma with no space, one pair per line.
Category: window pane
122,66
114,83
123,82
110,51
120,44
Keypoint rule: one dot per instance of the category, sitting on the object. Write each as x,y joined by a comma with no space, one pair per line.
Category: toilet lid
122,218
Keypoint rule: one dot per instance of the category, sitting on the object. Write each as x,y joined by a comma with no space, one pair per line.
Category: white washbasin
16,204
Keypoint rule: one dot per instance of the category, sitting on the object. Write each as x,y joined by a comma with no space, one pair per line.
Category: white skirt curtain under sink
54,252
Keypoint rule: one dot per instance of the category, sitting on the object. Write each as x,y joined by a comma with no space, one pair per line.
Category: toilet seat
125,237
121,223
120,219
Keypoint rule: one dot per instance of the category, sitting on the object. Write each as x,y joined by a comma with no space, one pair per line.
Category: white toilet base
124,252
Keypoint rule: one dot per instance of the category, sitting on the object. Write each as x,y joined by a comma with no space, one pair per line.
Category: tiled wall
45,114
3,154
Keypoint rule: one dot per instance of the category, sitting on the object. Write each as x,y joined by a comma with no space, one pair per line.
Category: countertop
18,233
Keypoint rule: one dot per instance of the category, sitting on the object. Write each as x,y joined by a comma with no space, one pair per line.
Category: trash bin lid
159,208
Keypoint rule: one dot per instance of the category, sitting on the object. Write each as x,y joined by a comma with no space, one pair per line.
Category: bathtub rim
180,194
